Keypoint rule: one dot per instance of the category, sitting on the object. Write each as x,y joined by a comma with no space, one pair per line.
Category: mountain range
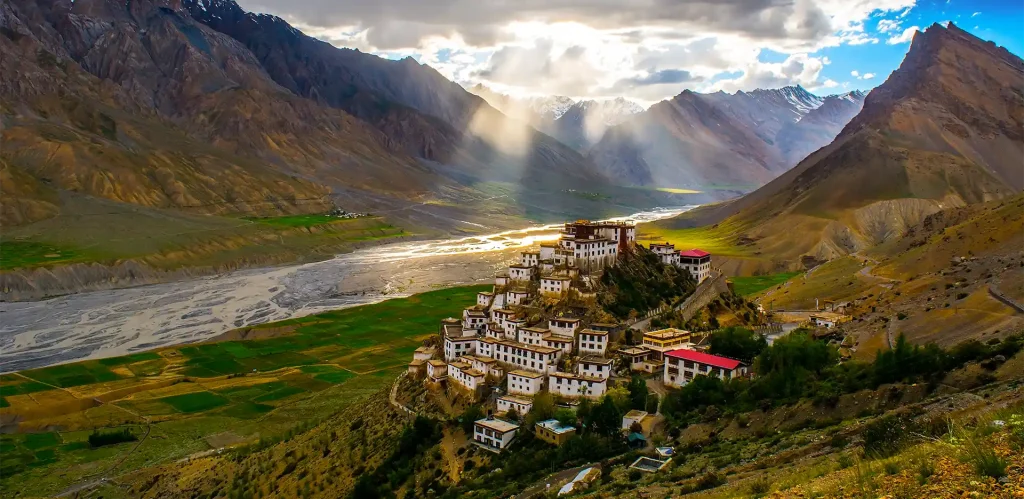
945,129
198,105
746,138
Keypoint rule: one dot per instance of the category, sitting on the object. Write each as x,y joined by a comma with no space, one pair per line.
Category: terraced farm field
255,383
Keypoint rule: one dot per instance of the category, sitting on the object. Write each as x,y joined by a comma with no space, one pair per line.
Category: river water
116,322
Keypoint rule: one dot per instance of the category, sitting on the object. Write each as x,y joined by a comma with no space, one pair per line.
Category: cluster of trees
100,438
640,282
798,366
396,469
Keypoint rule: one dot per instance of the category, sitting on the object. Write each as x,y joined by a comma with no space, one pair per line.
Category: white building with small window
575,386
493,434
457,347
485,346
520,272
594,367
536,358
437,370
512,328
424,353
486,365
463,374
493,330
667,252
525,383
516,297
484,299
532,335
592,342
563,343
502,280
554,285
697,262
529,258
634,357
507,403
563,326
500,315
681,366
473,318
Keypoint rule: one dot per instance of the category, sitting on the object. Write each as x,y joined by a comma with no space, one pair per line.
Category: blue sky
999,21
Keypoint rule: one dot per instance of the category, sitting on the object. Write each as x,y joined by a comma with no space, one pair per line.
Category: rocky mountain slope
745,138
945,129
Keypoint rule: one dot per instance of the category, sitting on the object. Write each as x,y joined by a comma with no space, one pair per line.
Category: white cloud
866,76
976,14
644,49
855,73
888,25
905,37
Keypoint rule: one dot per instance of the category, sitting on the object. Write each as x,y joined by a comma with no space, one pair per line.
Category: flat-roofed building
473,319
424,353
591,342
553,432
502,279
486,365
575,386
563,343
437,370
484,298
564,326
457,347
485,346
634,357
594,367
417,368
512,328
494,434
522,405
465,375
554,285
516,297
452,328
664,340
536,358
520,272
667,252
500,315
682,365
525,383
493,330
529,258
533,335
697,262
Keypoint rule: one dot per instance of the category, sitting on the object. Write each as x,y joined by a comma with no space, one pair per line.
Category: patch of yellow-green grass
746,286
718,240
836,280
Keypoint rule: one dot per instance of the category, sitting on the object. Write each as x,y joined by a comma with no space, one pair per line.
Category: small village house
484,298
424,353
592,342
457,347
536,358
486,365
516,297
522,405
563,326
502,279
697,262
512,328
594,367
633,416
463,374
529,258
525,383
473,318
554,285
520,272
553,432
437,370
494,434
664,340
575,386
634,357
681,366
417,368
532,335
667,252
563,343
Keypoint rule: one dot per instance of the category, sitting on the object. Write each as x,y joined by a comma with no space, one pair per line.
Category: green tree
543,409
738,343
566,417
637,392
606,417
470,416
512,415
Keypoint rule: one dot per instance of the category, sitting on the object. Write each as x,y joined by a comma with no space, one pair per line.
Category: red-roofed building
698,262
681,366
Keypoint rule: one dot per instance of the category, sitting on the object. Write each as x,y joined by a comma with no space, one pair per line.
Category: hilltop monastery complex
494,344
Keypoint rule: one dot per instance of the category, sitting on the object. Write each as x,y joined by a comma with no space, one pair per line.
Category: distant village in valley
502,353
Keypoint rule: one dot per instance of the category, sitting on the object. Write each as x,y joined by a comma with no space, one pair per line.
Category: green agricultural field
746,286
718,240
27,254
321,365
311,220
194,402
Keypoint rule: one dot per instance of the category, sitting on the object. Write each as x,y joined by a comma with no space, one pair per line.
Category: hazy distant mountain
746,138
945,129
579,124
